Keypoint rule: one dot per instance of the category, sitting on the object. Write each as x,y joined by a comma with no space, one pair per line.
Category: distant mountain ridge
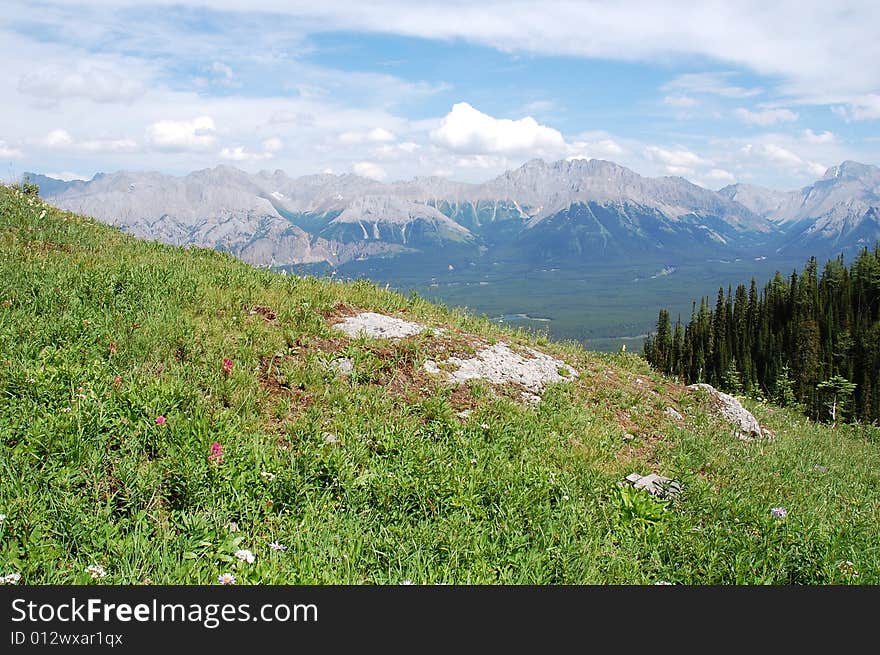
841,210
569,211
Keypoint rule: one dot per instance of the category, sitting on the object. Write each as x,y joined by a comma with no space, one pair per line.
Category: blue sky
720,93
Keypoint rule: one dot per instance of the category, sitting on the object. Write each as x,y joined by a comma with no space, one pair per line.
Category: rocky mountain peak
851,169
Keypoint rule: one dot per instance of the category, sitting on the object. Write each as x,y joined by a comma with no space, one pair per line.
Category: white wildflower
226,578
277,546
245,556
96,571
10,578
268,476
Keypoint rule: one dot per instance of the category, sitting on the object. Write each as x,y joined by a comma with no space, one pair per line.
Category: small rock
654,484
820,468
530,398
330,439
343,365
464,413
371,324
628,436
672,413
431,367
640,381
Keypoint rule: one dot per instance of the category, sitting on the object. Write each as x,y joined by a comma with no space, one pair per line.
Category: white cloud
291,118
223,72
97,83
806,45
376,135
720,175
370,170
864,108
820,138
195,134
483,162
67,176
677,162
396,150
107,145
468,130
8,152
599,148
765,117
62,140
58,139
379,134
714,83
273,144
779,156
240,153
680,101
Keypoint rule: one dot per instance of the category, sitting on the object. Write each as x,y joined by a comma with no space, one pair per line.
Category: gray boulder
746,426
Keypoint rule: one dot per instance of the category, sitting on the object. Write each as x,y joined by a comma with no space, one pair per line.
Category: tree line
811,339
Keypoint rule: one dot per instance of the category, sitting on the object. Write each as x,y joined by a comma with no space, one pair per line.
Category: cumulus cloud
62,139
370,170
96,83
820,138
468,130
765,117
58,139
195,134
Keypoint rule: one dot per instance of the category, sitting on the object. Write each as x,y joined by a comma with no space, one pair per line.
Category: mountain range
567,212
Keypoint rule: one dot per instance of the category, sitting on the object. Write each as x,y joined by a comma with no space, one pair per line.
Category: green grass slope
100,334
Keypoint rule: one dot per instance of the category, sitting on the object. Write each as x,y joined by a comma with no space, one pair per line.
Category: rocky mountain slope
570,211
841,211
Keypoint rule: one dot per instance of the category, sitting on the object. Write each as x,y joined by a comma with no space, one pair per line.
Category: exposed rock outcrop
746,426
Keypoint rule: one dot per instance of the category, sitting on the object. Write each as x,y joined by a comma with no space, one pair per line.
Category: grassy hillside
372,477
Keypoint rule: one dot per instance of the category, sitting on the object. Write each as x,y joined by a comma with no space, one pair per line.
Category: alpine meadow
461,318
172,415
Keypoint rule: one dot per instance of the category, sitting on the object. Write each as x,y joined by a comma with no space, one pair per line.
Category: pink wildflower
227,365
216,455
160,420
